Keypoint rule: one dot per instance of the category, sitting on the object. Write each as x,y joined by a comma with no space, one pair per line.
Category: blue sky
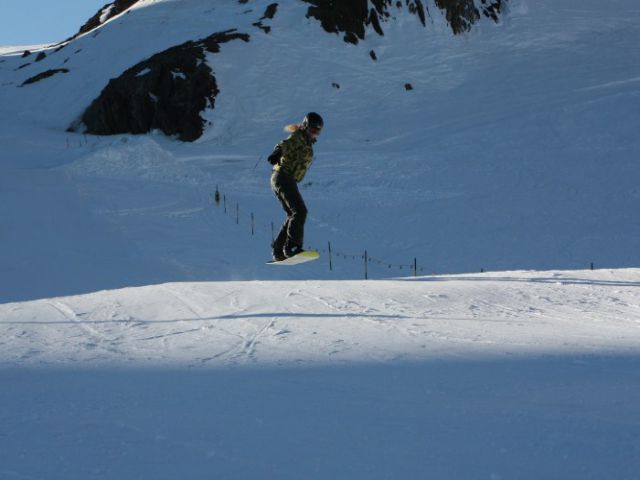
25,22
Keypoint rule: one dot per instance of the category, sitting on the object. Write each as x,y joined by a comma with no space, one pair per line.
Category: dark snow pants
292,232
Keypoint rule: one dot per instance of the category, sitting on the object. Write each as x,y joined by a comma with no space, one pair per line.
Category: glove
274,158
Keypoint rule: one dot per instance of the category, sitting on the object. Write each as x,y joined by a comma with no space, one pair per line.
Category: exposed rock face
108,11
43,75
269,13
348,16
166,92
462,14
352,17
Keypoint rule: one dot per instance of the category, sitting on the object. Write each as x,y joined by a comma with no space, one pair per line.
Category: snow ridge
318,323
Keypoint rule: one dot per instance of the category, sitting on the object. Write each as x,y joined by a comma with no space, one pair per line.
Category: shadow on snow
573,417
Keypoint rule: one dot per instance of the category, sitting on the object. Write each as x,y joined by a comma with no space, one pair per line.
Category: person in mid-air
291,159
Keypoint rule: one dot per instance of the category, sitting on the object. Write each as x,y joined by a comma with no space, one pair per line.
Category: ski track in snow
252,323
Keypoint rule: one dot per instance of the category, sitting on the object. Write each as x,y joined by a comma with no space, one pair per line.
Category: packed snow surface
271,323
522,375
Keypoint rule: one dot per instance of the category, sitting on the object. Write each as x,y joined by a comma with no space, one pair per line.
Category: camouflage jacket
297,155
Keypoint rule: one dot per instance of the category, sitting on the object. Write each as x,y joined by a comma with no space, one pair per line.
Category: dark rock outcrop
269,13
462,14
107,12
348,16
166,92
110,10
352,17
43,75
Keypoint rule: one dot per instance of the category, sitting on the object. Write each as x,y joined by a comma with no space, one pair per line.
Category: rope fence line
369,260
220,199
412,267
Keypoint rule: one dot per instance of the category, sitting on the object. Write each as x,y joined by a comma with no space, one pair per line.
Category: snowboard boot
292,251
278,257
277,252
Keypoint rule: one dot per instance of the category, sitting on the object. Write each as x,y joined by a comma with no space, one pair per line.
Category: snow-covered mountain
515,147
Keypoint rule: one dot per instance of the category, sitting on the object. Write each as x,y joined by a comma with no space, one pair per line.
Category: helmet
312,120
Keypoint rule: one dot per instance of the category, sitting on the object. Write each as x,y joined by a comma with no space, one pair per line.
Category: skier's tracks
97,339
245,348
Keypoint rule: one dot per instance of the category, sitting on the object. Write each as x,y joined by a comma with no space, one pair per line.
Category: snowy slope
142,335
515,149
507,375
265,323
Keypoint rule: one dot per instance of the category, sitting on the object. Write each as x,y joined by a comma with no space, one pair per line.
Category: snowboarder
291,159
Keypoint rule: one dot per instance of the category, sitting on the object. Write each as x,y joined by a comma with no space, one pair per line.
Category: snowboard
306,256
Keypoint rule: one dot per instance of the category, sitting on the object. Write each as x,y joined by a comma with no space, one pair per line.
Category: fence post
224,201
330,259
366,265
252,222
415,267
237,214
